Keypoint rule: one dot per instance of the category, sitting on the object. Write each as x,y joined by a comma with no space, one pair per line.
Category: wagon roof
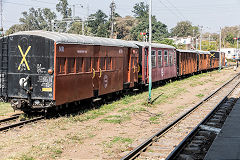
65,38
187,51
155,45
203,52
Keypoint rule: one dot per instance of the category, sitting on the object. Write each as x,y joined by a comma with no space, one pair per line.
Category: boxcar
187,62
214,61
163,59
45,69
203,60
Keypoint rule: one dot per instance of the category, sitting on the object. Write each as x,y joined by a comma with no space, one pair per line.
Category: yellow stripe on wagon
47,89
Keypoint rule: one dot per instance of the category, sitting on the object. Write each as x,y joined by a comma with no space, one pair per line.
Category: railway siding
180,129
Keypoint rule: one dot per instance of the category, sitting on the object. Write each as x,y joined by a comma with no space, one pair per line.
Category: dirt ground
112,130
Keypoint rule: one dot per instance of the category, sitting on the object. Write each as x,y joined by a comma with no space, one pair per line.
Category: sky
211,14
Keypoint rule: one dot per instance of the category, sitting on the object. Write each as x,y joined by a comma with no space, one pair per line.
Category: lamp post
150,53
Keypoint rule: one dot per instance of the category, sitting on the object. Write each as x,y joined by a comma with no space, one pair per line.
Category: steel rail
175,152
9,118
134,153
21,123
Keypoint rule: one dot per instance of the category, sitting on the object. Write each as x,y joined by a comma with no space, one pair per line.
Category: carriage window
71,65
95,63
108,63
153,59
174,56
159,58
166,57
61,65
146,58
87,64
79,65
103,63
171,58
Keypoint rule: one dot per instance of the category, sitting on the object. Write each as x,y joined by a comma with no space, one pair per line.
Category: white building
231,53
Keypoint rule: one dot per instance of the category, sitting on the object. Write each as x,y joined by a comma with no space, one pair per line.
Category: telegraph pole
201,38
1,14
220,44
113,7
150,53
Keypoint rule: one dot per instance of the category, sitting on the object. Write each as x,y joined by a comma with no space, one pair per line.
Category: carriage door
95,71
133,67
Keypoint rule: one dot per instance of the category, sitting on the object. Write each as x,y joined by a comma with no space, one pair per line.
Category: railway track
12,122
161,144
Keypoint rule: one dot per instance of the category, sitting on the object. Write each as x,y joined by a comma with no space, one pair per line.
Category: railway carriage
204,60
187,62
45,69
163,59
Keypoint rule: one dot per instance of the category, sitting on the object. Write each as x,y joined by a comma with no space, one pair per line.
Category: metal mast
220,44
113,7
150,53
1,13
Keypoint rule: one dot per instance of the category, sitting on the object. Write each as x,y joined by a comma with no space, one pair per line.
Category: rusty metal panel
187,62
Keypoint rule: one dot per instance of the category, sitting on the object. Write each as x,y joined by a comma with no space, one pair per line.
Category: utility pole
150,53
209,39
73,12
113,7
1,13
201,38
220,44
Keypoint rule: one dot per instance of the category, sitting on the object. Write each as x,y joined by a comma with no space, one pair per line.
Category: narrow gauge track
9,125
198,142
10,118
161,144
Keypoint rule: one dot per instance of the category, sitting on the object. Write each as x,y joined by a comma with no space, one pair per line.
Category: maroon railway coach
163,59
57,68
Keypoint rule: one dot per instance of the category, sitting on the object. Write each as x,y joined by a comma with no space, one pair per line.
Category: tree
159,30
140,10
123,27
63,8
38,19
168,42
184,29
16,28
98,24
229,39
76,28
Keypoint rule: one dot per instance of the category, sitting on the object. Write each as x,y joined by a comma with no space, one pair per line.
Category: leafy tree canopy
141,10
98,24
123,27
184,29
63,8
38,19
159,30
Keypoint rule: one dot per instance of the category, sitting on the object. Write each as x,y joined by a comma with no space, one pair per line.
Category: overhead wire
176,9
170,9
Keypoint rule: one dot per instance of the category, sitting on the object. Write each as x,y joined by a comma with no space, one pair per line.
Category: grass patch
180,107
155,119
119,141
26,157
132,109
200,95
76,138
41,151
92,114
5,108
116,119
